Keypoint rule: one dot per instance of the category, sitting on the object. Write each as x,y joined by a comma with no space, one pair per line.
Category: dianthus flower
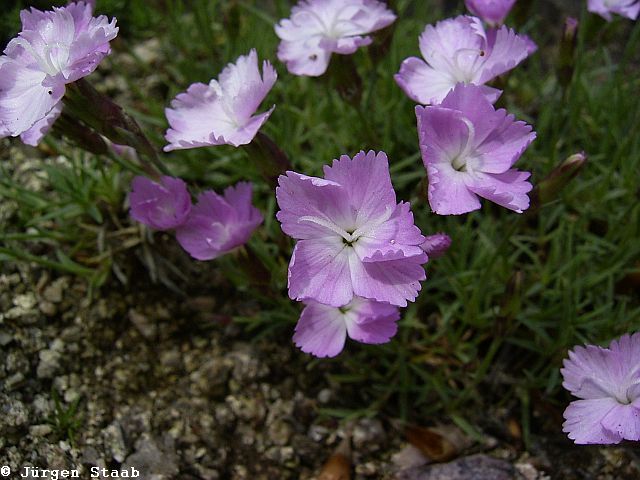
353,238
604,8
607,381
468,148
318,28
323,329
436,245
222,112
491,11
459,50
53,49
219,223
161,205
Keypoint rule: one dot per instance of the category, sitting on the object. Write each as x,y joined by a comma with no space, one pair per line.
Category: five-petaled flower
604,8
219,223
459,50
161,205
468,148
491,11
318,28
607,382
53,49
322,329
353,238
222,112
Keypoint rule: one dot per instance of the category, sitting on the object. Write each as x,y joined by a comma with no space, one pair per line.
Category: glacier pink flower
160,205
607,382
319,28
436,245
491,11
459,50
469,148
53,49
625,8
322,329
219,223
222,112
353,239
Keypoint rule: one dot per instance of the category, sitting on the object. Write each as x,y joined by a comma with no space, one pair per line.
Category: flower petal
41,127
422,83
319,270
508,189
584,421
25,97
302,199
321,330
394,280
368,183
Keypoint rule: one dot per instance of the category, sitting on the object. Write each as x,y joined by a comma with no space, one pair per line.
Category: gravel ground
149,381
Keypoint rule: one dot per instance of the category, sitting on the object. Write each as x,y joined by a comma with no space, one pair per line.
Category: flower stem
109,119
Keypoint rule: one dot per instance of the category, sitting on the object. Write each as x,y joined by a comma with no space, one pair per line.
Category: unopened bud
566,55
551,186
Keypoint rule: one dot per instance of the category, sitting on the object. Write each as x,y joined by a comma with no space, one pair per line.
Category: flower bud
566,55
551,186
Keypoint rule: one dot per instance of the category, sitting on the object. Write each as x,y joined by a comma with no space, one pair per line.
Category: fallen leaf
338,466
437,443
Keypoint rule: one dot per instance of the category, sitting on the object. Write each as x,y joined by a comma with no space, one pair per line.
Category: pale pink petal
318,28
491,11
395,281
321,330
319,270
221,112
625,8
508,189
218,224
372,322
34,135
422,83
506,50
161,205
398,234
368,183
25,97
311,207
624,421
584,421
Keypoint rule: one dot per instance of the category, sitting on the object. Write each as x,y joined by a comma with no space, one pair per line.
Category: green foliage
65,421
500,310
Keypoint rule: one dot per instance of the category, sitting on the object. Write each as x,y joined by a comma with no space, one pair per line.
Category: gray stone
154,460
475,467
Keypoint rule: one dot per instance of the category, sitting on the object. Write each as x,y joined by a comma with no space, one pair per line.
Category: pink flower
223,111
604,8
53,49
323,329
459,50
468,148
436,245
219,223
491,11
353,238
607,382
160,205
318,28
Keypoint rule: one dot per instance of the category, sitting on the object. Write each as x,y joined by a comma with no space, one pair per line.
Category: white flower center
350,237
463,160
52,60
465,65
